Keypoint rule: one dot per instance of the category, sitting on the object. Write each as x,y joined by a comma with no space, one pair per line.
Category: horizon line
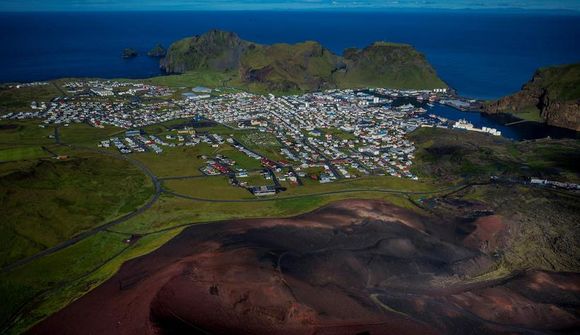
320,9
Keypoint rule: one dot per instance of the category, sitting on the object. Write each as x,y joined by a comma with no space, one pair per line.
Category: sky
124,5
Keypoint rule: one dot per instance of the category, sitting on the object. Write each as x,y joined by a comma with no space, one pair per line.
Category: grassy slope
457,155
388,65
304,66
562,82
217,50
19,99
63,198
543,223
207,78
22,153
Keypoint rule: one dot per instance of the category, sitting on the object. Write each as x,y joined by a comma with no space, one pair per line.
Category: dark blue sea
481,54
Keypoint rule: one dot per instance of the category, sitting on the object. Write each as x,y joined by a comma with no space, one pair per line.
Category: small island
129,53
158,51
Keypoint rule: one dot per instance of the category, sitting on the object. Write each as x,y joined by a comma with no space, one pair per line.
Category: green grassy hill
48,201
215,50
561,82
391,65
306,66
551,96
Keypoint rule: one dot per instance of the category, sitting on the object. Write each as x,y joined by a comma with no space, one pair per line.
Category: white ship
466,125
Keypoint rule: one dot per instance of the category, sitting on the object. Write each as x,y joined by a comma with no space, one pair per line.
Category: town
339,133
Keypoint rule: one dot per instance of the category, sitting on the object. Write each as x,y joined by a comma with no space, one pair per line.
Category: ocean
481,54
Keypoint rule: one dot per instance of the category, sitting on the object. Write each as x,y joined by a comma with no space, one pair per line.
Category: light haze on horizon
128,5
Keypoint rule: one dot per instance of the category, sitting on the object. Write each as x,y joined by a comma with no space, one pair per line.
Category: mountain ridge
300,67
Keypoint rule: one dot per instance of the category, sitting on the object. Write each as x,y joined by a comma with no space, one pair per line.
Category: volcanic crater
352,267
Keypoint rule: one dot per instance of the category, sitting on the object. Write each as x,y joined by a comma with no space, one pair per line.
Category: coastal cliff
214,50
551,96
384,64
306,66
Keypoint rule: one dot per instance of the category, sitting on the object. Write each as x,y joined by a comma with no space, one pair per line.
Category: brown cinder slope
353,267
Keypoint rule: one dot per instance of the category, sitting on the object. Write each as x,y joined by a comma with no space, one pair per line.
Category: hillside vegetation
306,66
551,96
450,156
46,202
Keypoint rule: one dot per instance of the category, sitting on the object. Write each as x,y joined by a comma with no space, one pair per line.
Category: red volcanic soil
489,234
354,267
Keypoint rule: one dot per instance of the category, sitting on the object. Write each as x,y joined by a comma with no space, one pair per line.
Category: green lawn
343,135
262,143
174,162
208,187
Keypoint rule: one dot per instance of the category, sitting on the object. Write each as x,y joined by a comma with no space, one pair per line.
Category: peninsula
301,67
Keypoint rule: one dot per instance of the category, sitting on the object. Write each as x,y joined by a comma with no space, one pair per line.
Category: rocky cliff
158,51
214,50
551,96
305,66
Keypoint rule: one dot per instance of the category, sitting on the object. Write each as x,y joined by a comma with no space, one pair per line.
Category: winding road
93,231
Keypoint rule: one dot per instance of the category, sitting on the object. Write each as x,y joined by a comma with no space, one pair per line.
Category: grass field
23,133
174,162
22,153
83,134
263,143
208,187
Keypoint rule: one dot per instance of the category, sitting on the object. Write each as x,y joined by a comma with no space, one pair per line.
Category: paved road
89,233
355,190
